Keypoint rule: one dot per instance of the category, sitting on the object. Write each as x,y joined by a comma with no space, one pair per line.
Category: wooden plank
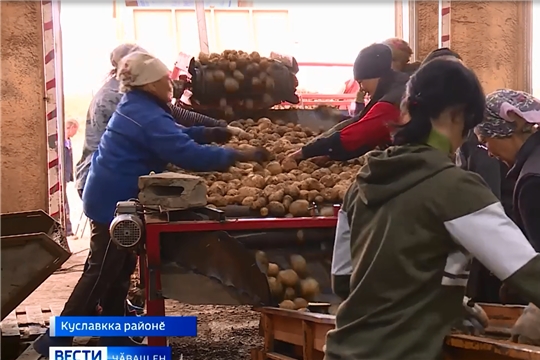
268,326
34,321
10,326
307,347
56,309
495,348
276,356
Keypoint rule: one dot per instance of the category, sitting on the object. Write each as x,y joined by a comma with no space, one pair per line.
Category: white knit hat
122,50
139,68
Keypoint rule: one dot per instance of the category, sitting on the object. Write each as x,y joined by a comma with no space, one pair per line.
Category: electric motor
127,228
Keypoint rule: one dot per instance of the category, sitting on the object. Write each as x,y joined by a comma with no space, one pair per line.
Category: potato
300,208
311,184
289,293
309,288
277,196
217,200
312,195
218,188
249,192
288,277
275,287
248,201
288,164
264,211
287,304
299,265
274,167
287,201
300,303
259,203
276,209
255,181
231,85
273,269
292,190
329,181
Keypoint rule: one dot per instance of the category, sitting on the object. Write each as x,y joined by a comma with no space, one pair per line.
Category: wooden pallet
27,323
293,335
20,328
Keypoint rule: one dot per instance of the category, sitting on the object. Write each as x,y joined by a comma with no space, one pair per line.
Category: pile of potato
282,187
236,82
293,288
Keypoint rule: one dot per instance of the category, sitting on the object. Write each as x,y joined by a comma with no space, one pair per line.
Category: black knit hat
441,52
373,62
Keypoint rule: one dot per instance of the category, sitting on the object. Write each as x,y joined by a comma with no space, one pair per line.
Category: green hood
389,173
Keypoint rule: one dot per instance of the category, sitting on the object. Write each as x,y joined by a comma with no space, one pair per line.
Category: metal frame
150,260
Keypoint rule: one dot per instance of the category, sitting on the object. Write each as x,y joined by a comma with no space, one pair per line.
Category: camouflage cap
497,123
122,50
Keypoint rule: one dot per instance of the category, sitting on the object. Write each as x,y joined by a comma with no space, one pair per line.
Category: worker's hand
235,131
320,160
222,123
218,135
297,155
258,154
525,330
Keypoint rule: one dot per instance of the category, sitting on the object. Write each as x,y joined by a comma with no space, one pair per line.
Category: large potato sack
236,82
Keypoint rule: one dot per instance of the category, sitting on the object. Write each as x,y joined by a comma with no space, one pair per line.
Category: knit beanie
373,62
439,53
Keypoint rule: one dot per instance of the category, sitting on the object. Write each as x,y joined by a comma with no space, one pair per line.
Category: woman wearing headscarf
104,104
510,133
141,137
414,220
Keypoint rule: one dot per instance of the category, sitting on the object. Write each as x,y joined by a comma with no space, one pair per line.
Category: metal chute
211,268
33,248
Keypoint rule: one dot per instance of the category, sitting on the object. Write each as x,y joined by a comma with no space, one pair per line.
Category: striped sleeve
189,118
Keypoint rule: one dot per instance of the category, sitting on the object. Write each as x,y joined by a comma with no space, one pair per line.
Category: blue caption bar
110,353
107,326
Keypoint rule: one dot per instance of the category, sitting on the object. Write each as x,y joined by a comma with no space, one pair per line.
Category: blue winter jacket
142,137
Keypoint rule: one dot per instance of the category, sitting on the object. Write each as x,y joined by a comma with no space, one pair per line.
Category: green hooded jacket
409,225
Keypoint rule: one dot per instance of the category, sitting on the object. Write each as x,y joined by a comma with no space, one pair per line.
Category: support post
201,26
398,18
444,23
55,142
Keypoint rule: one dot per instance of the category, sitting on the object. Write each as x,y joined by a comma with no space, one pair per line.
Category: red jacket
370,131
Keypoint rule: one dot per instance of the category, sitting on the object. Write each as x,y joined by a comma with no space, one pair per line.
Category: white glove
235,130
527,328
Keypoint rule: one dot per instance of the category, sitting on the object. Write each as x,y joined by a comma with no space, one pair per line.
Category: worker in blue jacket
141,137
